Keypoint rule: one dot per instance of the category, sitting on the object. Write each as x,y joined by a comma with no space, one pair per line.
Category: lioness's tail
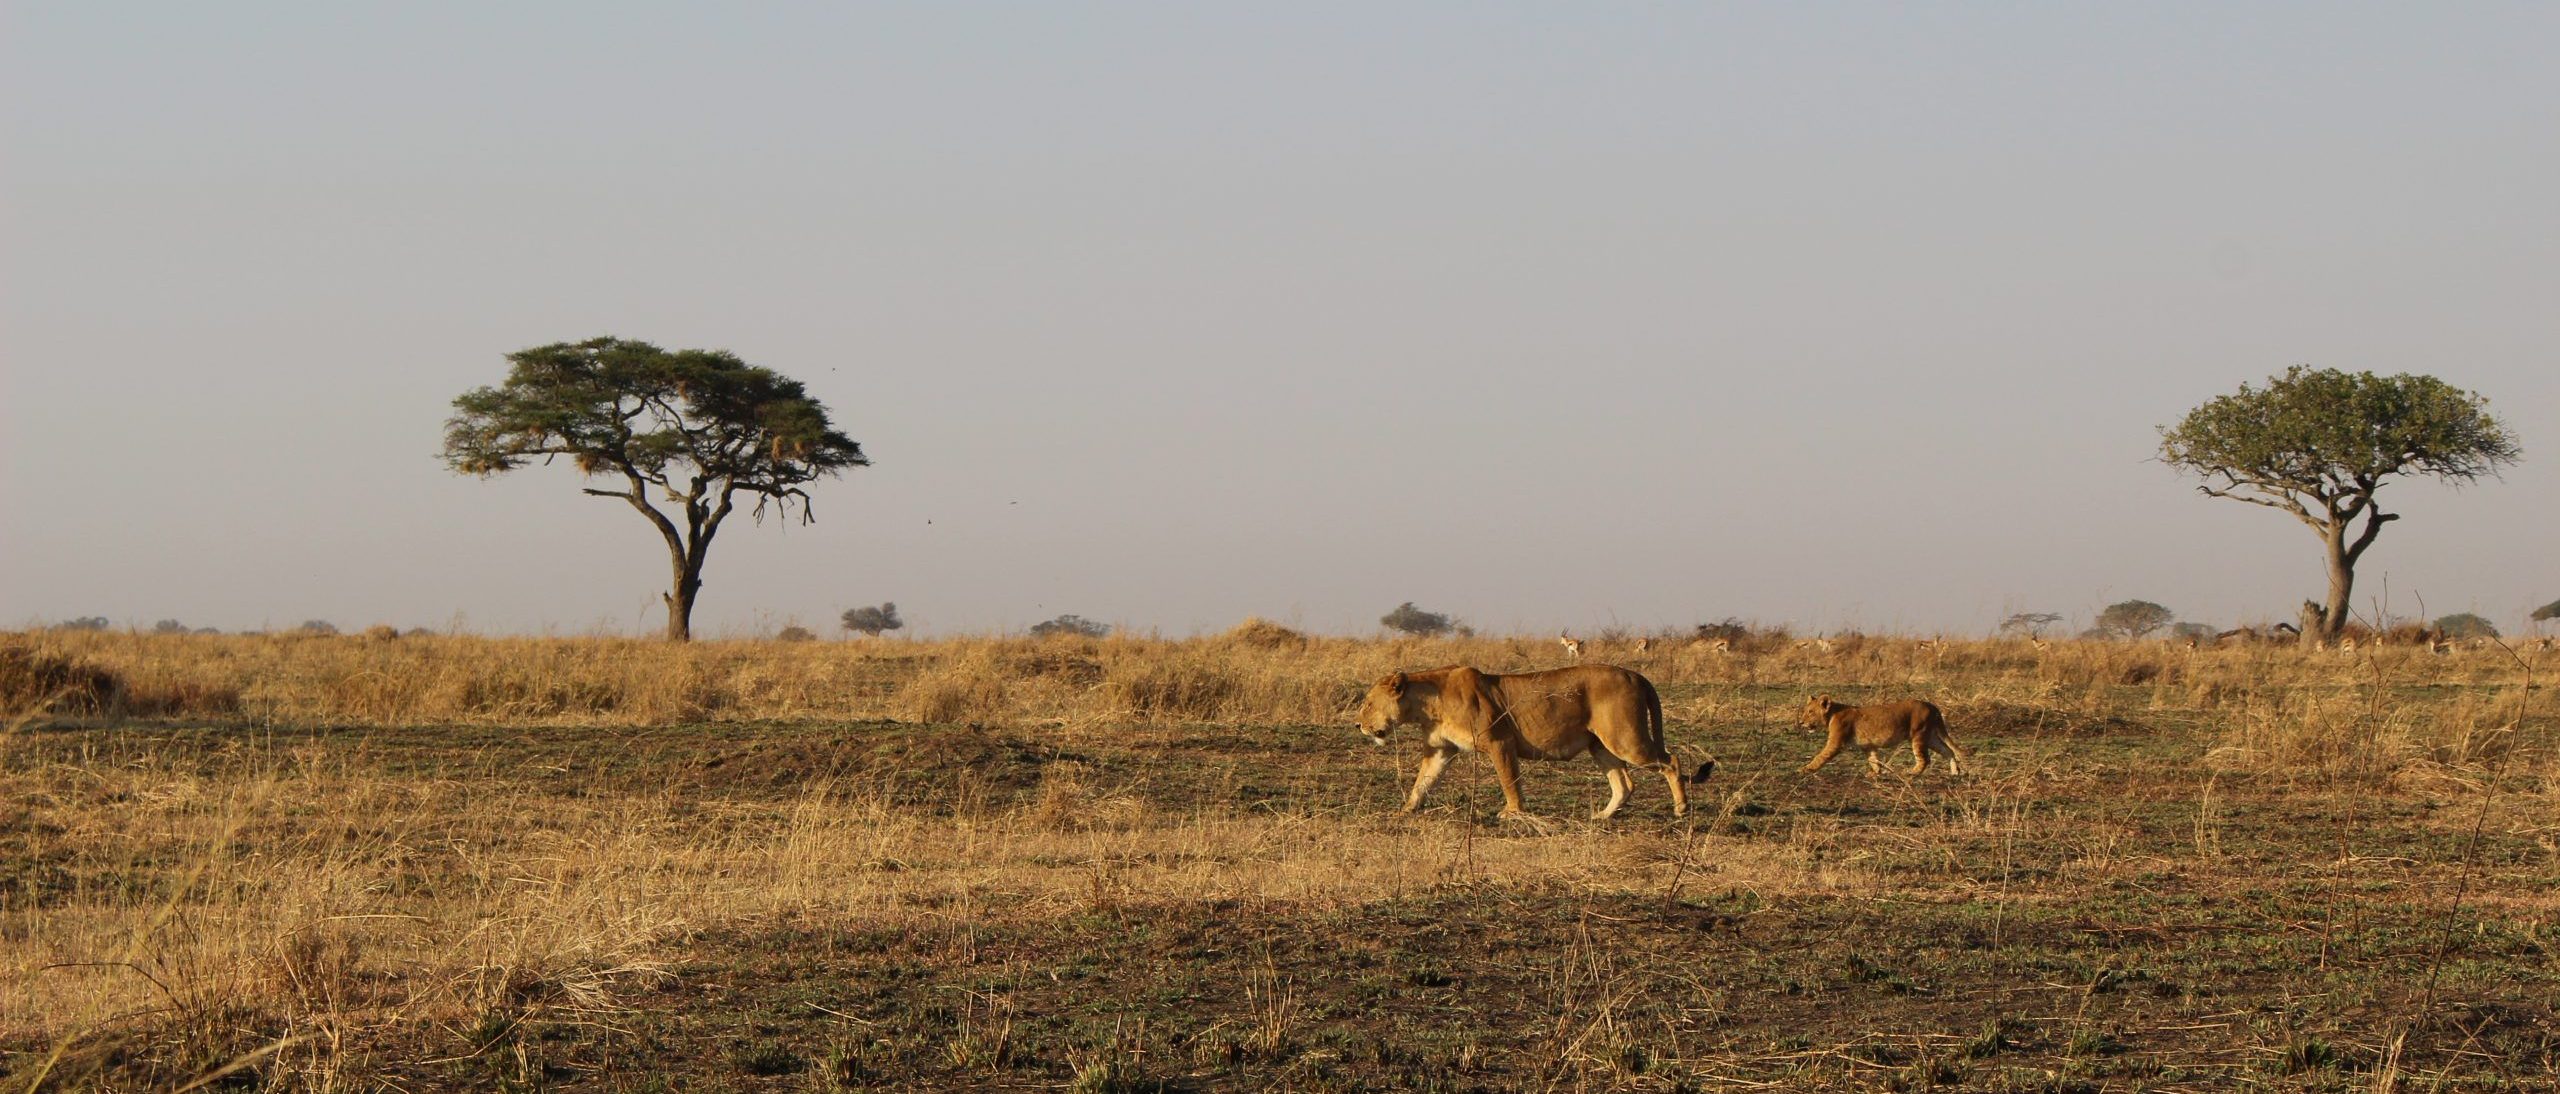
1652,714
1653,718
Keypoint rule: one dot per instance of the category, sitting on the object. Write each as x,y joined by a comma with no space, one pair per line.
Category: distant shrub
873,621
169,626
1265,634
1069,626
2199,632
1729,629
84,623
1407,619
381,632
31,680
2547,612
316,627
1745,637
794,633
2466,625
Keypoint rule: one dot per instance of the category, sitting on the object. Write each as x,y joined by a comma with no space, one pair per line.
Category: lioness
1606,711
1881,726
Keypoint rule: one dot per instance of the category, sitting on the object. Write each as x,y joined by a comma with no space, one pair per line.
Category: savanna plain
1123,864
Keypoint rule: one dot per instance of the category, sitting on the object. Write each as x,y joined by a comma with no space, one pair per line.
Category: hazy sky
1543,315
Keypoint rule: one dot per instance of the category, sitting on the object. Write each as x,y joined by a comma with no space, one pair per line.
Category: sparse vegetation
795,633
2547,612
83,623
1129,861
1407,619
873,622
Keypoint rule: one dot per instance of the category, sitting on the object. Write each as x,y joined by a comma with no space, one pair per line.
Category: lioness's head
1389,704
1817,712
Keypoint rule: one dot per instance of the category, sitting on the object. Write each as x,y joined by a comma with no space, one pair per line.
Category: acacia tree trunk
2342,584
680,600
2341,555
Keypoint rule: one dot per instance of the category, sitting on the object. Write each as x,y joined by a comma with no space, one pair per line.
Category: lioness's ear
1395,683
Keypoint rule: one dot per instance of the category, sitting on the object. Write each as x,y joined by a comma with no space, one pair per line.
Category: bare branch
2372,527
2279,502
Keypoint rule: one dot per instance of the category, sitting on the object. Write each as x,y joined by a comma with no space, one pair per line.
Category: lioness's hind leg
1506,770
1619,782
1919,752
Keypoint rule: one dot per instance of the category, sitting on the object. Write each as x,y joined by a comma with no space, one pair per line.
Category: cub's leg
1619,781
1947,746
1830,748
1506,770
1875,762
1432,766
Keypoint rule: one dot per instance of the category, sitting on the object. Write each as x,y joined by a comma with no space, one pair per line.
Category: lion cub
1881,726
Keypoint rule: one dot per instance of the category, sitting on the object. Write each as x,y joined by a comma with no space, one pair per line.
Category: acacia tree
2466,625
2132,619
873,621
691,428
2318,444
2030,624
1407,619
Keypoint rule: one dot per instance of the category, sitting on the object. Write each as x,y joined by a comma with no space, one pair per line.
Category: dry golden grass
300,903
278,897
1258,673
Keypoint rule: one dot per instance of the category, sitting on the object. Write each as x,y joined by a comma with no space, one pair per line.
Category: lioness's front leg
1432,766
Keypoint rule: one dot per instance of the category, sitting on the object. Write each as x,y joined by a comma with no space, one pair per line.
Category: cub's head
1390,703
1817,712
